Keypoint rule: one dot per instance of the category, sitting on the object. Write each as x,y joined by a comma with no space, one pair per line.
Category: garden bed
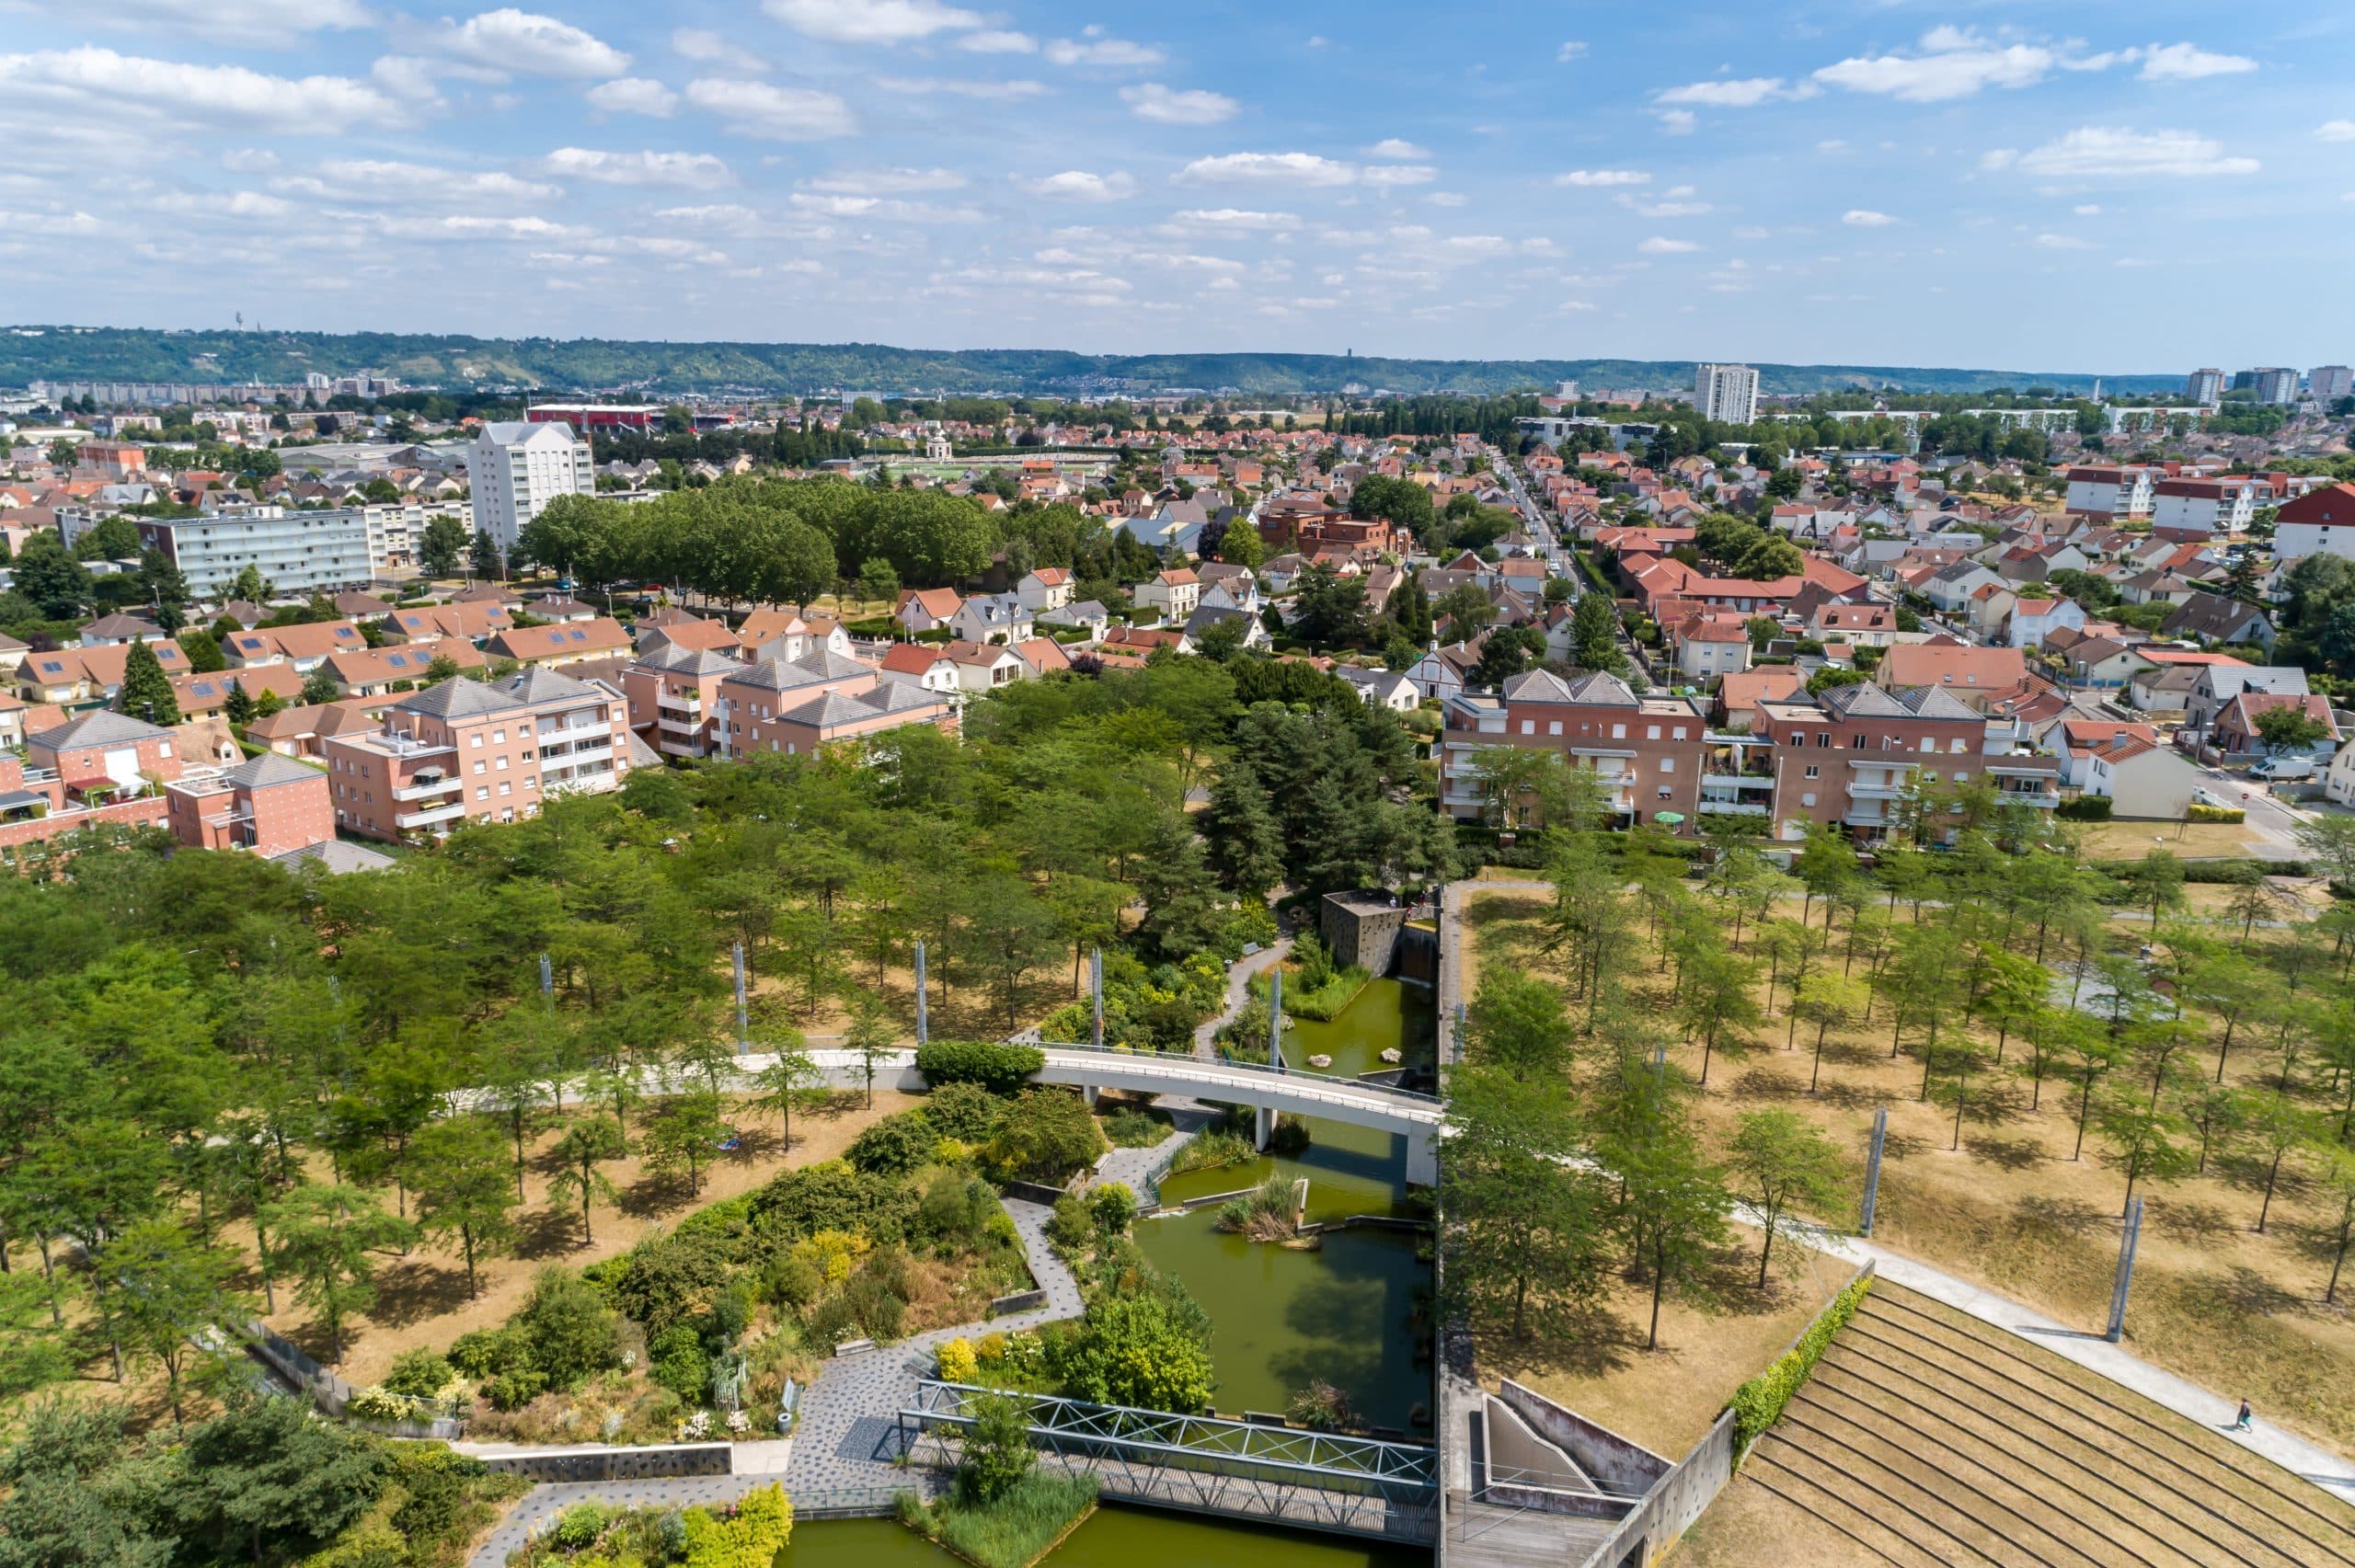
1024,1522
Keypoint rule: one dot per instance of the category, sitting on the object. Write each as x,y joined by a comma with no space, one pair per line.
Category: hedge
2204,812
2085,808
1759,1403
2220,871
999,1068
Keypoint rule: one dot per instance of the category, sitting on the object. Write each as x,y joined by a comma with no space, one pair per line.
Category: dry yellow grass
2213,1301
2131,841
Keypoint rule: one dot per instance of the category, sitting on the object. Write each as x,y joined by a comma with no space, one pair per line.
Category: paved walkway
848,1431
2121,1366
1140,1170
1238,991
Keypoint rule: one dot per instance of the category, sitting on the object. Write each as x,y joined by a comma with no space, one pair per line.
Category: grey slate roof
99,728
534,684
270,768
460,698
336,856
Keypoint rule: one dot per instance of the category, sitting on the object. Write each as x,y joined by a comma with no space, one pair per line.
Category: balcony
678,702
420,789
671,748
2045,798
407,746
1728,806
449,811
690,725
1873,791
581,729
1744,780
578,754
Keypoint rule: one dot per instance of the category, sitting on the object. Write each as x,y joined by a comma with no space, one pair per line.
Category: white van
2276,770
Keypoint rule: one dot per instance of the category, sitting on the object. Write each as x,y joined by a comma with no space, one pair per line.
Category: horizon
1820,189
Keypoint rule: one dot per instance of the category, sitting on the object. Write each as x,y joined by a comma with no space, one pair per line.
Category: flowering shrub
958,1362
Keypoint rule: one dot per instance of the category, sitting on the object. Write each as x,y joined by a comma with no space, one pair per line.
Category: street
2274,821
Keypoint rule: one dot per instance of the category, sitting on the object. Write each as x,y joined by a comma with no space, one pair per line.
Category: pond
1115,1538
1346,1312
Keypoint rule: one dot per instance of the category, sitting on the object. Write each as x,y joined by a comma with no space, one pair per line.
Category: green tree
791,1078
586,1145
250,586
169,1289
1516,1025
146,691
996,1452
1781,1159
70,1501
2140,1142
460,1173
319,686
52,579
264,1479
1672,1211
440,546
325,1238
1527,1225
684,1135
2289,728
1828,1002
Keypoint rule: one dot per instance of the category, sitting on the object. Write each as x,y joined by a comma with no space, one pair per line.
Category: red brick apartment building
107,767
1843,759
468,750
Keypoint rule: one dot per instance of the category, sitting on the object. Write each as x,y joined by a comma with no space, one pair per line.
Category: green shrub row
1001,1068
1759,1403
2226,871
2204,812
2085,808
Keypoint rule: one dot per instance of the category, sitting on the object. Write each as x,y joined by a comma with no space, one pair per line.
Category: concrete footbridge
1270,1090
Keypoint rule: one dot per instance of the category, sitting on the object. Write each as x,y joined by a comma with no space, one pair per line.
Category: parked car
2275,769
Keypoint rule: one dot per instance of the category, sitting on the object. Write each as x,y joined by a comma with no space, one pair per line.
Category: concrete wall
617,1464
1616,1464
1360,930
1672,1505
1416,954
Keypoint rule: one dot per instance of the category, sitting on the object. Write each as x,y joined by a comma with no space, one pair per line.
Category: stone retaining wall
617,1464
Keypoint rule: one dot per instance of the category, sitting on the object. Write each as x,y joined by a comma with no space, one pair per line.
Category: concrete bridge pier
1422,1157
1088,1092
1263,1127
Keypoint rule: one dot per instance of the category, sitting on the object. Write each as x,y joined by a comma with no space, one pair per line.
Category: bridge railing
1174,1064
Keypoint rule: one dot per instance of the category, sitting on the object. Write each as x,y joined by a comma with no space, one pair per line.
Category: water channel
1346,1313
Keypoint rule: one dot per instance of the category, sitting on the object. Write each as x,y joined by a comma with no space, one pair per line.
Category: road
2274,821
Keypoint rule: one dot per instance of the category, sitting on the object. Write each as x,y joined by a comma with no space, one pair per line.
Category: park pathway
2121,1366
1238,991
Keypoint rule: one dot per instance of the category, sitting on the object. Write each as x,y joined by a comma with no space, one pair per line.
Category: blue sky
2060,187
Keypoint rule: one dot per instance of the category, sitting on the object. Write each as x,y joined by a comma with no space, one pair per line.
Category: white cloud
529,45
1866,218
883,208
1955,66
1078,185
379,181
76,223
2336,131
2093,151
1234,218
930,86
1832,146
1447,199
100,86
682,171
1092,48
211,204
998,41
414,82
1398,148
781,114
634,95
1659,246
2062,242
1734,92
267,22
1166,106
1399,174
1268,168
870,21
1573,49
2190,63
705,45
1586,178
2087,210
893,182
1676,122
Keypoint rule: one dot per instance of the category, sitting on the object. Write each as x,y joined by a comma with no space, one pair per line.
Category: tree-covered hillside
29,353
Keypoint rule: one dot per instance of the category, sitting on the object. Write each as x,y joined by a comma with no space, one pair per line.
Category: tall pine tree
146,691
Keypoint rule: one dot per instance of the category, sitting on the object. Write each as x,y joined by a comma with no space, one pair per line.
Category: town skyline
1803,189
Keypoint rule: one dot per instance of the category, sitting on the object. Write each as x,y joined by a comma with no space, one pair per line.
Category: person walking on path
2240,1423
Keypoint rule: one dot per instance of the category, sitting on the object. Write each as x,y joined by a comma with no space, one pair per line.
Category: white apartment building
2208,505
515,468
1727,394
2112,491
2205,387
299,551
2327,383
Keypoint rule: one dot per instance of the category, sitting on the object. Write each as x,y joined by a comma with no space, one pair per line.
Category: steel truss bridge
1204,1464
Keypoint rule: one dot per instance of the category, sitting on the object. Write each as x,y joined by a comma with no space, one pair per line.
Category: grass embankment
1024,1522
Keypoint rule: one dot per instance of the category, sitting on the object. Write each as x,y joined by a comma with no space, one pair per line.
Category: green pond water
1115,1538
1345,1312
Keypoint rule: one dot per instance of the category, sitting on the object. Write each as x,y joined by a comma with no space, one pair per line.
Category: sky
2062,186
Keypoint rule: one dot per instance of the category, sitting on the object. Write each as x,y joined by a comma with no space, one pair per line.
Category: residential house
271,805
371,673
984,667
1859,625
476,620
1088,616
1979,677
1047,588
672,693
1647,751
2033,619
992,618
301,647
559,643
2320,523
1706,646
210,693
921,665
86,677
109,631
921,610
1177,593
2220,684
1392,689
1254,631
2235,734
2214,618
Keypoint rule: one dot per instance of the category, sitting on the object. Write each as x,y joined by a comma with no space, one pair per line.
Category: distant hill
31,352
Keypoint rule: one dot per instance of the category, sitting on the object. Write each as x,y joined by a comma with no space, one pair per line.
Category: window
1651,732
1813,772
500,764
1808,800
475,741
1529,726
479,765
1956,749
1822,739
499,737
506,788
1667,765
482,792
1618,732
1962,778
1678,734
1929,746
1554,727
